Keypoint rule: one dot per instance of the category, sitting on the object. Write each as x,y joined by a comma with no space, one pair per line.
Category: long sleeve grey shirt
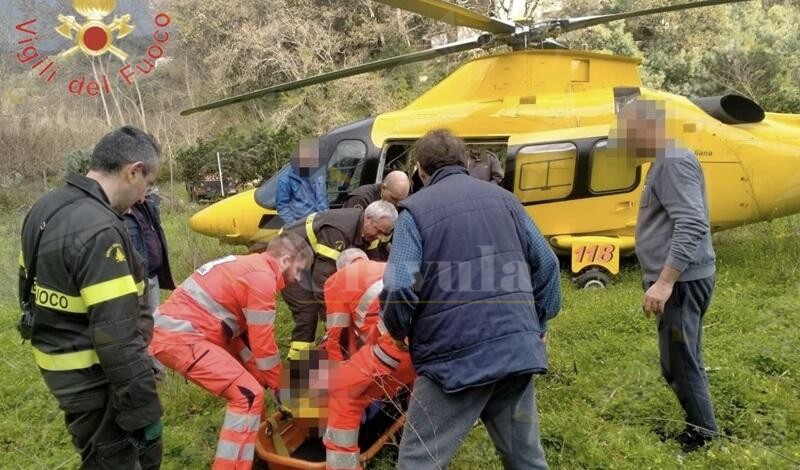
673,226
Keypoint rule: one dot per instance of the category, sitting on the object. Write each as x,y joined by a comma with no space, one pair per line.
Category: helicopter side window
610,172
344,170
546,171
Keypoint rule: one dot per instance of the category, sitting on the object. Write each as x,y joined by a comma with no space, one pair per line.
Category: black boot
692,439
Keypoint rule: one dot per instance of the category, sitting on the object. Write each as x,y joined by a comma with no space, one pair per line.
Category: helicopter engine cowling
731,109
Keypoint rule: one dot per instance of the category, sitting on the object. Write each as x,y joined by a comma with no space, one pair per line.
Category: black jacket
137,219
86,303
363,196
334,231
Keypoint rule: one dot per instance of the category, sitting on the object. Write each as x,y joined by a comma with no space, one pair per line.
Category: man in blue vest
469,287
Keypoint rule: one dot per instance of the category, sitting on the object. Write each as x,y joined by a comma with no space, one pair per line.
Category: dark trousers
104,445
680,332
306,300
437,423
306,309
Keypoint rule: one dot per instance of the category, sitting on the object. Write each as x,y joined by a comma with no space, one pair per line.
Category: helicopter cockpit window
546,171
344,169
610,172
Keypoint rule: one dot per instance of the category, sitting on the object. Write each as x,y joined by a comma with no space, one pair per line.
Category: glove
25,325
144,437
153,431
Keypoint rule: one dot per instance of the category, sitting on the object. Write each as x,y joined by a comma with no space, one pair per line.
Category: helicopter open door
396,155
576,190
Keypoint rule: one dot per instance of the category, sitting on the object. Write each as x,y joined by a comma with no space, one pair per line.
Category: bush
246,154
20,196
77,162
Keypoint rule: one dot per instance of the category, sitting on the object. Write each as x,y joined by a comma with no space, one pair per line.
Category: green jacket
86,302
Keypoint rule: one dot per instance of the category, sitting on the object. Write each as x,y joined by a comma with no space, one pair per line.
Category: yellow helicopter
547,112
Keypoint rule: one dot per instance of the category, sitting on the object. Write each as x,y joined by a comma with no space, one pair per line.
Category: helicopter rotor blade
459,46
453,14
552,44
573,24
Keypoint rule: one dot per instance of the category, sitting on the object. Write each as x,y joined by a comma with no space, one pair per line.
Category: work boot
691,439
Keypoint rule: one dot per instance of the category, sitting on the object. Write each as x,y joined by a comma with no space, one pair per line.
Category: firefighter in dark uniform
393,190
329,233
86,281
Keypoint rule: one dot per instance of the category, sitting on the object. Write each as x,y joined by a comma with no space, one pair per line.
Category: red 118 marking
604,253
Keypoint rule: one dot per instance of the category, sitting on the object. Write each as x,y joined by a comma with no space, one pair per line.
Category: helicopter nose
214,221
224,218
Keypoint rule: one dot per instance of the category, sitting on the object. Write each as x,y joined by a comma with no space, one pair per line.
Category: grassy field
603,405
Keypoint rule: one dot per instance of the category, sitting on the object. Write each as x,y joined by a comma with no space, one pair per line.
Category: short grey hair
381,210
124,146
349,256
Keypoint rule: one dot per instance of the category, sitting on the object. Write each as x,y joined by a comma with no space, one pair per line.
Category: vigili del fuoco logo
95,35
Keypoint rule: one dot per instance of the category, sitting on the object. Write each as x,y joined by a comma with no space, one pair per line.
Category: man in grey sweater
673,243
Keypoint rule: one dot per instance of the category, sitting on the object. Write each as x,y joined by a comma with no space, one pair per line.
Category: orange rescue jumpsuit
216,329
373,372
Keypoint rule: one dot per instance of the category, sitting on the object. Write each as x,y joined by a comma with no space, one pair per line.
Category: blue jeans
438,422
680,332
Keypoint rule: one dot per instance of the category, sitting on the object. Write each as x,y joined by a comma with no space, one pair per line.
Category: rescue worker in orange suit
329,233
376,368
351,300
216,329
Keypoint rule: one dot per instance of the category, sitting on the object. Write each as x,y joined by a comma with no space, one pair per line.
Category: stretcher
285,443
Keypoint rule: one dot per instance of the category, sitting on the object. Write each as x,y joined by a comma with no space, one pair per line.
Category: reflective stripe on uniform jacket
230,301
333,231
351,299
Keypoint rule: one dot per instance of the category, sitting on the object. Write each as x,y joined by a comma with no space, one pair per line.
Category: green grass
603,405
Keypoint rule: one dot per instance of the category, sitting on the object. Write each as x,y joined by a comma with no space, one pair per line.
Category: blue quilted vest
475,322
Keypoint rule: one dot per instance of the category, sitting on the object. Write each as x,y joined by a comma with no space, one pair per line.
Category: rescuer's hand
656,297
401,344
